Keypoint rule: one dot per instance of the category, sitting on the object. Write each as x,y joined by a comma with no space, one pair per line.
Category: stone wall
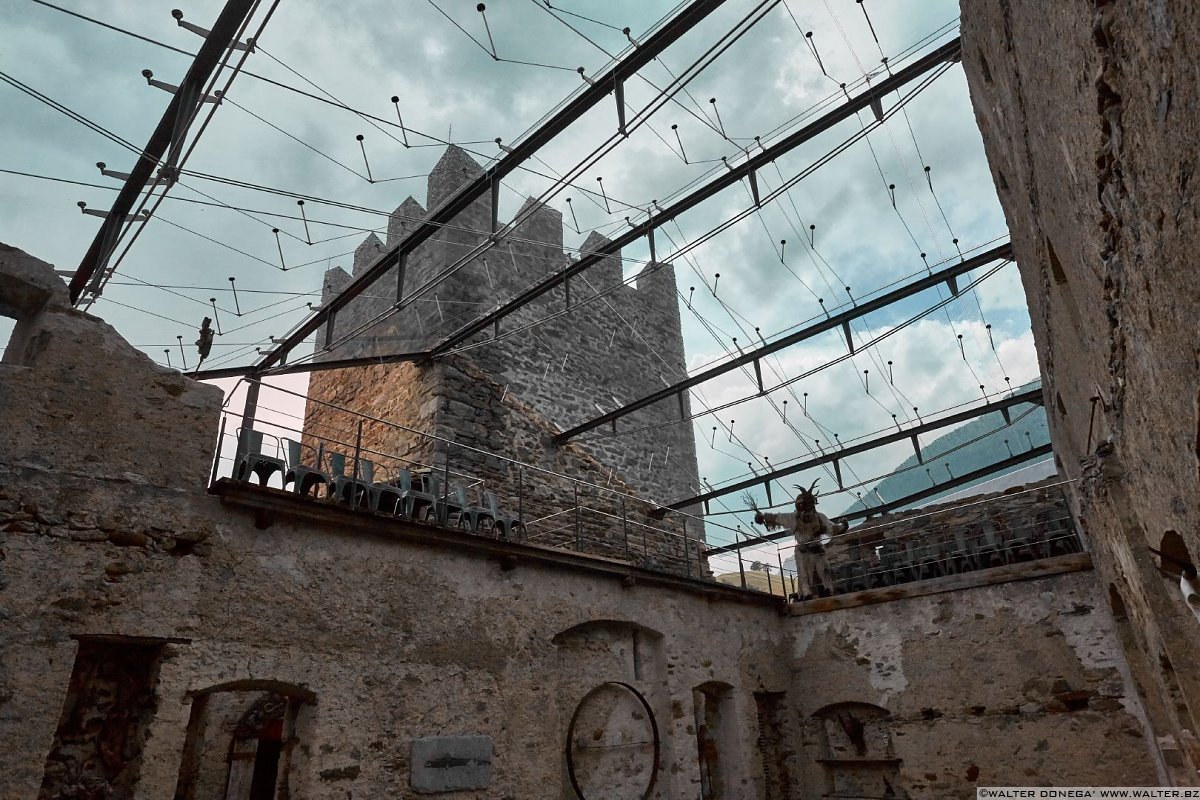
395,641
63,372
487,432
379,643
616,344
1089,119
1021,684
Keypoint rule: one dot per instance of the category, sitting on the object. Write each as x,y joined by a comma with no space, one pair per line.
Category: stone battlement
578,351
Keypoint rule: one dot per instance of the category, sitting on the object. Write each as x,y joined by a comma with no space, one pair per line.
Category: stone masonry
617,343
165,640
1089,119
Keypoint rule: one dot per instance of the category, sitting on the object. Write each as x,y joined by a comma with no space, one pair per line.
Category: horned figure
809,527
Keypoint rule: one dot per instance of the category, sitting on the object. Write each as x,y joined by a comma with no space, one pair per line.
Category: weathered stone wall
1021,684
395,641
382,635
616,344
1089,118
64,371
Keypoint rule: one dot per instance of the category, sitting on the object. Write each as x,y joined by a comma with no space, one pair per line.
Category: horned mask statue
811,528
806,501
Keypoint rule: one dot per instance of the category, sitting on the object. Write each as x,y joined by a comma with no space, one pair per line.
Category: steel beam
445,213
1030,396
172,126
946,53
982,472
827,324
309,366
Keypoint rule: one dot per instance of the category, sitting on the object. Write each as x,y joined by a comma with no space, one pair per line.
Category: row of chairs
422,498
954,553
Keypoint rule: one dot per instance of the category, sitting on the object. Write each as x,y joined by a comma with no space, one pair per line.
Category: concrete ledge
337,520
1042,568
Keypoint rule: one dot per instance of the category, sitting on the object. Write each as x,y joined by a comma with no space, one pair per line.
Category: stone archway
240,740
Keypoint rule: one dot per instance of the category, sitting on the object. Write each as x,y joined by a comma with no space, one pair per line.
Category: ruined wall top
75,397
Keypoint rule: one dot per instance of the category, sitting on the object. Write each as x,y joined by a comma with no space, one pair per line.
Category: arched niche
856,750
609,676
611,649
240,740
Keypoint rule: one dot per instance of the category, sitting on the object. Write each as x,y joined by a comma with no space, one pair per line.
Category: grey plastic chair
338,479
506,527
304,477
415,504
252,460
477,519
385,497
447,503
345,488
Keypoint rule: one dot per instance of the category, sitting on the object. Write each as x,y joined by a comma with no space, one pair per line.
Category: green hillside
972,446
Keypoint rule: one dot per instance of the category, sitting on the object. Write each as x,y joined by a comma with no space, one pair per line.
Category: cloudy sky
362,52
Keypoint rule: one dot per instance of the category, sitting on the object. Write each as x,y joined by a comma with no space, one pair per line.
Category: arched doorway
240,740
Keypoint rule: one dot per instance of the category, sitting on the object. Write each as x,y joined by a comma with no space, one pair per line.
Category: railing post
578,530
248,411
354,475
625,528
521,496
445,511
687,548
741,566
220,445
357,452
770,589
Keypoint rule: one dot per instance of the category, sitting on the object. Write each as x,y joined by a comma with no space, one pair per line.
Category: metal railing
551,508
917,547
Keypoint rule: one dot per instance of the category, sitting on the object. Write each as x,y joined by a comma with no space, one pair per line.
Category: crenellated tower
581,349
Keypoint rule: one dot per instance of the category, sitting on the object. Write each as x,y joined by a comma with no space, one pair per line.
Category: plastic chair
385,497
989,551
252,460
344,488
929,560
474,518
447,503
960,556
506,527
303,477
887,573
414,503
